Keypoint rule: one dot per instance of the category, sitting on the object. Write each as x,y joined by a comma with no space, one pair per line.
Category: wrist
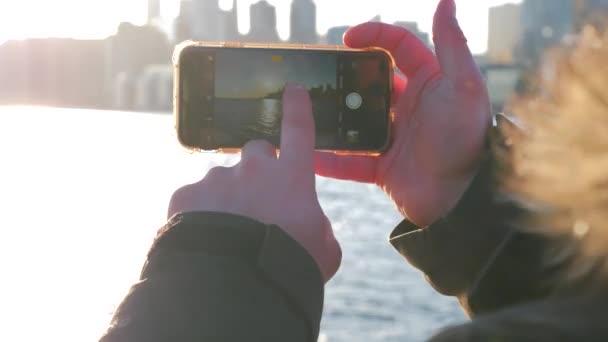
434,200
443,193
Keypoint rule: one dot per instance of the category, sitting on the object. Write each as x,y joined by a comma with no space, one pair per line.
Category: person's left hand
442,118
279,191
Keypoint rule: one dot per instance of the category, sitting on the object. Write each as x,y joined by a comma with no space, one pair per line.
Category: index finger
409,52
298,128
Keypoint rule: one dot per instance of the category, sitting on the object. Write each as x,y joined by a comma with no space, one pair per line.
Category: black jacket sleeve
219,277
476,253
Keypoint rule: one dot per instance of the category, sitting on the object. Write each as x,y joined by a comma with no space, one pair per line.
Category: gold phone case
189,44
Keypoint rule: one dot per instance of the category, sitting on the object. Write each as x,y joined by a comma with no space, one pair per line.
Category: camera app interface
349,96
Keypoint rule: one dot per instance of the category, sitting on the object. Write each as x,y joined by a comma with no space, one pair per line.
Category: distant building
592,12
182,26
502,81
263,23
133,47
204,20
335,35
413,27
53,72
544,23
303,22
130,51
153,10
504,33
231,23
153,89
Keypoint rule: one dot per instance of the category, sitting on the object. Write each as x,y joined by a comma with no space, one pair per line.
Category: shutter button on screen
354,101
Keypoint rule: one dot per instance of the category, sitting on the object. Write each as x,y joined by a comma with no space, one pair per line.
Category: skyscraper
182,26
591,12
205,20
153,10
303,22
503,35
263,23
231,23
544,23
335,34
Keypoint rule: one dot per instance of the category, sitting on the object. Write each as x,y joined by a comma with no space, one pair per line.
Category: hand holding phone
442,115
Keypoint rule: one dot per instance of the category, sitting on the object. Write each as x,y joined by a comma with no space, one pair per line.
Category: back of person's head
559,160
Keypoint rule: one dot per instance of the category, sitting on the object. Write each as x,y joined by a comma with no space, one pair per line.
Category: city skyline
100,19
245,81
121,74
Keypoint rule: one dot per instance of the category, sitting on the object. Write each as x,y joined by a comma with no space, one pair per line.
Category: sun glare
87,19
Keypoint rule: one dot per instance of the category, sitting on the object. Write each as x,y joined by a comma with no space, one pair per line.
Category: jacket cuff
475,252
517,272
279,259
452,251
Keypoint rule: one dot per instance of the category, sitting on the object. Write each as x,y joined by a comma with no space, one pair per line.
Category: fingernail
446,12
446,17
449,7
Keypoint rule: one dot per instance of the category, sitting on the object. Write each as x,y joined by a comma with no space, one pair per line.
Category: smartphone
230,93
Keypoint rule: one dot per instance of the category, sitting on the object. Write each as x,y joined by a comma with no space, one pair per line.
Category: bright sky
99,18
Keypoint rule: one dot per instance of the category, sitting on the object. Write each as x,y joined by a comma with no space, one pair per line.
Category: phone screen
233,95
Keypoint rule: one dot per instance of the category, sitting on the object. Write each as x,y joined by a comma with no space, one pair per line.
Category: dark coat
218,277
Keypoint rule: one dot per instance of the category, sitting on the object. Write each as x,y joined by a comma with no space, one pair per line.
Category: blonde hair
559,161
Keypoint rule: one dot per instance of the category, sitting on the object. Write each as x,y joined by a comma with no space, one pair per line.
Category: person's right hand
442,117
273,190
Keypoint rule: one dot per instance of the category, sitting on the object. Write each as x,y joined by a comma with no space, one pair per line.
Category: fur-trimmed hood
560,161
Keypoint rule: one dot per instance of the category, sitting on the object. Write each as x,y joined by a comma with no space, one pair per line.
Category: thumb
451,47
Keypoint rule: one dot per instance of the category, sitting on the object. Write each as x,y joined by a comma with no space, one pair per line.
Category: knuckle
254,146
332,255
182,194
256,150
216,172
264,144
251,163
296,181
336,251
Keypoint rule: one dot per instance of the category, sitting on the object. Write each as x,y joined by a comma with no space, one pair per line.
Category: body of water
83,192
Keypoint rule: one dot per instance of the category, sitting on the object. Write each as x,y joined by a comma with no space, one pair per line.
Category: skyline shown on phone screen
248,91
264,73
231,96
